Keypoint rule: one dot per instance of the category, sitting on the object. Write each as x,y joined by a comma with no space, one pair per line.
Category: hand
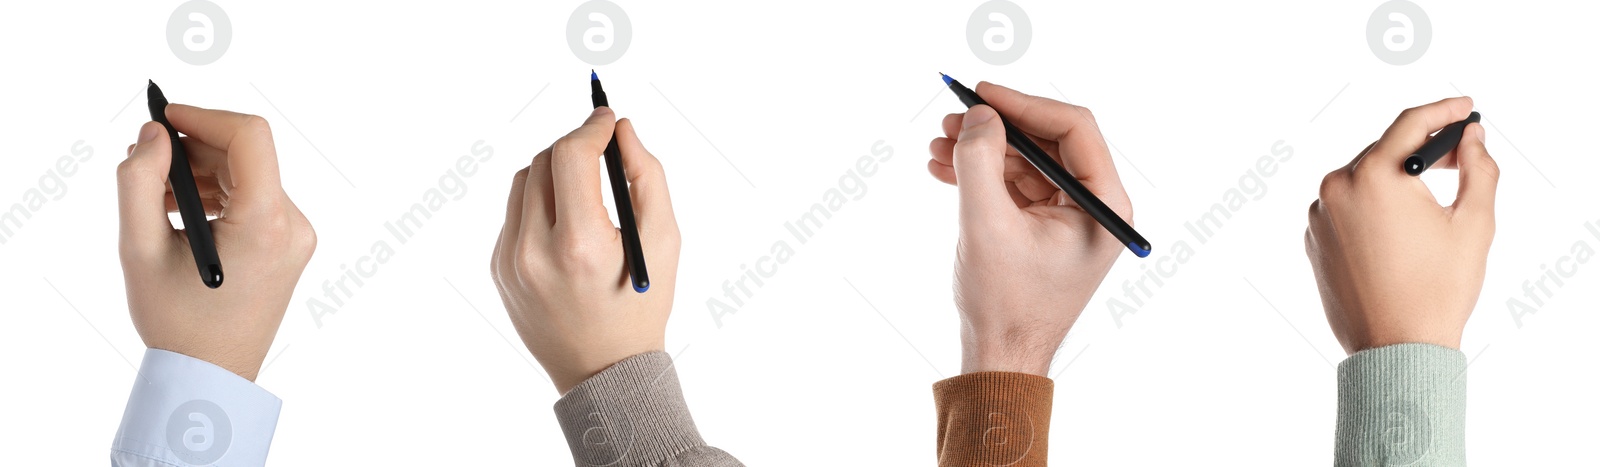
559,264
262,239
1392,264
1028,258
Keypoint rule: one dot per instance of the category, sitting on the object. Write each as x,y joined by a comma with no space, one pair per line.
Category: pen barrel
1074,189
187,196
1436,147
632,250
597,94
190,208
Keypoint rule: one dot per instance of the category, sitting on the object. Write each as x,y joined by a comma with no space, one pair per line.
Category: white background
808,372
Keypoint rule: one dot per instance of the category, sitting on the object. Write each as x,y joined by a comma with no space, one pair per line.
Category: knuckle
519,180
525,260
673,238
577,255
1332,185
277,231
969,144
134,170
255,124
525,269
1490,168
571,148
1088,115
496,270
494,265
1407,114
304,239
653,165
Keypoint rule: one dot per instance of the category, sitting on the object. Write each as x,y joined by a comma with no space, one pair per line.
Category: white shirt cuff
185,411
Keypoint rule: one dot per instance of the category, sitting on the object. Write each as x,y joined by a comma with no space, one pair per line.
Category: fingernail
976,118
1479,134
148,132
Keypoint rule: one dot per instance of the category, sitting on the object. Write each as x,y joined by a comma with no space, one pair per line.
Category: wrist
246,367
1442,339
1011,355
568,373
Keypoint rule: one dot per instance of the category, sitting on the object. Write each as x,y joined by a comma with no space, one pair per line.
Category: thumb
1480,176
142,188
979,160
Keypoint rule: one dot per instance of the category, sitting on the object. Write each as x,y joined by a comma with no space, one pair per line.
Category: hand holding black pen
1028,260
1058,176
560,262
267,241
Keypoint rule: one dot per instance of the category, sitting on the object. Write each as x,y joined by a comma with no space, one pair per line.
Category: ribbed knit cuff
1403,404
993,418
633,414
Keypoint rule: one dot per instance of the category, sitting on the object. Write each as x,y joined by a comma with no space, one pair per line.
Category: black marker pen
1440,144
187,195
632,252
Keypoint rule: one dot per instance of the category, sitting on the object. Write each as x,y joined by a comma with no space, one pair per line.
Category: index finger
575,170
1082,150
252,160
1410,130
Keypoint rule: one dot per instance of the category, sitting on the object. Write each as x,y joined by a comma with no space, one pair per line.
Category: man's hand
1392,264
1028,258
559,264
263,240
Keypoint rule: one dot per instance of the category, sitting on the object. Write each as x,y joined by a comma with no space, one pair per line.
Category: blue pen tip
1140,252
641,289
593,76
947,79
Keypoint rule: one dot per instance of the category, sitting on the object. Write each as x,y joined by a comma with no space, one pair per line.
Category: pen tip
947,78
593,76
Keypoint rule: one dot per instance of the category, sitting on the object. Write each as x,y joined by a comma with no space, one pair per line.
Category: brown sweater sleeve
993,418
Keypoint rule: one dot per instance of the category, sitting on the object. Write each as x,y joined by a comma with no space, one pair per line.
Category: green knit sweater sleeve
1402,404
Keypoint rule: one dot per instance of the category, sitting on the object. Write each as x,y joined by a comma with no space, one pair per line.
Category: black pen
631,251
1440,144
201,244
1059,176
